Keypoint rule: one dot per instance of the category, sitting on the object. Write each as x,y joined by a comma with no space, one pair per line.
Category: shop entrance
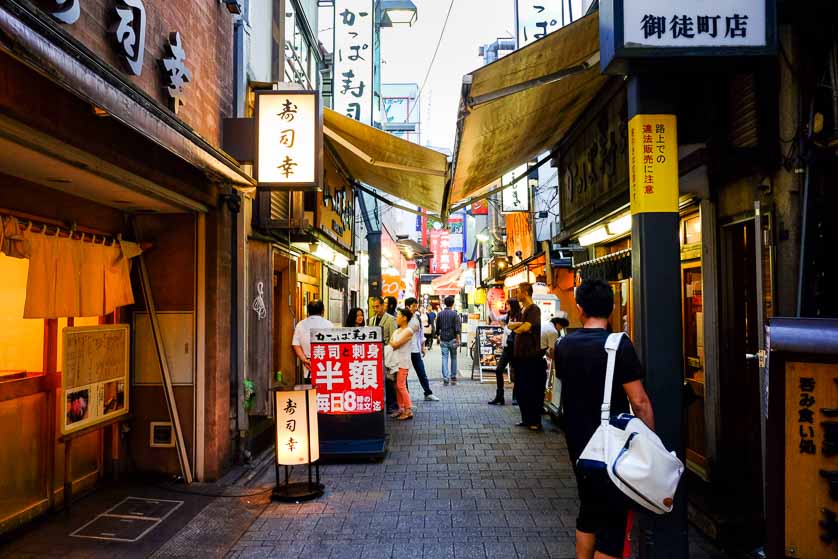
740,471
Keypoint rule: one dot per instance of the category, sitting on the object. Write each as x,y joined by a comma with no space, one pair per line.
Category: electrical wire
433,59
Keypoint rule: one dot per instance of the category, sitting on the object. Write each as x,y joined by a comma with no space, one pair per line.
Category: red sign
443,261
347,370
481,207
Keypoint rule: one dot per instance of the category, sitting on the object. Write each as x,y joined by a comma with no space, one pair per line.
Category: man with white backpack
580,361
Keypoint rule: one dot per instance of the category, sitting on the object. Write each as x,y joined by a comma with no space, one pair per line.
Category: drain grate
129,520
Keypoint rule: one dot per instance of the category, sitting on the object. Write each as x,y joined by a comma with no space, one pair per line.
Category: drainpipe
233,203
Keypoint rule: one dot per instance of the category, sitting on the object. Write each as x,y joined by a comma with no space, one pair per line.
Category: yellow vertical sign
653,163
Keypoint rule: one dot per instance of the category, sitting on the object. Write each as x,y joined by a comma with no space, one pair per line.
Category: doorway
739,474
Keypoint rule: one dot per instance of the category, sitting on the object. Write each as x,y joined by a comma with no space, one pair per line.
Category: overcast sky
406,53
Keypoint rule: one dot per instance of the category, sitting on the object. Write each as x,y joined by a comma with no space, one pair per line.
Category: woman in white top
400,342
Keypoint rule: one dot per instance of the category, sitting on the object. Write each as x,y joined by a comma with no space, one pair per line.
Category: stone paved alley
460,481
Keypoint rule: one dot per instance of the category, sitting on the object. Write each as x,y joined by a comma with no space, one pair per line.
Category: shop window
21,339
691,230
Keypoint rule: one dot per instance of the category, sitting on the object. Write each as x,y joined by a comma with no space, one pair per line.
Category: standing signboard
94,383
347,369
801,477
490,344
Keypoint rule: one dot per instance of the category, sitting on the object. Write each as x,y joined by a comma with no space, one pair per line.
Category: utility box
802,437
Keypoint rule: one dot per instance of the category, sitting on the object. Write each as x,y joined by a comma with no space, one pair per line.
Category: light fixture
594,236
297,442
233,6
483,236
398,12
620,225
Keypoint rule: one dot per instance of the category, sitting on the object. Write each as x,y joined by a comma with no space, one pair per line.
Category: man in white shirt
549,335
417,348
301,343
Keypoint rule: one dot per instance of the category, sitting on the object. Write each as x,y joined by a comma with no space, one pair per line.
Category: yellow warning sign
653,163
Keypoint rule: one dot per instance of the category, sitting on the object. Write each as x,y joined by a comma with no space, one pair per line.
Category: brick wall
206,30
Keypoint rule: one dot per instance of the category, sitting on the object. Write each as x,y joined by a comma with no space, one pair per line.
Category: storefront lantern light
620,225
327,254
289,140
297,442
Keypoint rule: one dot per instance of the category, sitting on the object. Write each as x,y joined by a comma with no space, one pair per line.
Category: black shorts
603,511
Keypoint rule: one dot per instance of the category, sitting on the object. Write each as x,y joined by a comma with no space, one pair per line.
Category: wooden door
692,309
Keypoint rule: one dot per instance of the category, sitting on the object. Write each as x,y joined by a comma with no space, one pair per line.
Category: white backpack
634,456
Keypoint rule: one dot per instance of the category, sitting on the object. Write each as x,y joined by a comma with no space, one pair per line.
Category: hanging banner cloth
522,105
69,277
391,164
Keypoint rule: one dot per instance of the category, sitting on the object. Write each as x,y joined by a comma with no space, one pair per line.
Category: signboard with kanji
353,64
297,436
638,29
443,260
347,369
289,149
653,163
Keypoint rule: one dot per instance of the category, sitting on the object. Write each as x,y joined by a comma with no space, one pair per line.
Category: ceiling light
620,225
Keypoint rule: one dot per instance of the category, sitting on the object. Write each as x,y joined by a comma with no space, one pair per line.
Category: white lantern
297,442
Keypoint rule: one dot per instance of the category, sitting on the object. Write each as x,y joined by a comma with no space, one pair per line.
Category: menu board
490,342
94,382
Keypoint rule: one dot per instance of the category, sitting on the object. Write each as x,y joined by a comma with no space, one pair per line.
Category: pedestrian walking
401,344
448,328
513,314
427,327
528,360
429,339
417,348
580,361
388,326
301,342
354,318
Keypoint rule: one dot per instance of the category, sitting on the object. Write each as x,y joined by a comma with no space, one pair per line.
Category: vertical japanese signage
296,427
710,23
288,139
811,458
653,163
515,197
353,65
536,18
347,370
456,224
443,260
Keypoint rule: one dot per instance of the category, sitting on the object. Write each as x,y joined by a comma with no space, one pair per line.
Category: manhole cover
129,520
116,528
145,508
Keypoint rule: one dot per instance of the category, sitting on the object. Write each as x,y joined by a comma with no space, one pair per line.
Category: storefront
95,165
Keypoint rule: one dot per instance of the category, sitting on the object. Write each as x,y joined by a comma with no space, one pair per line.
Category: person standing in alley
429,339
580,361
528,360
513,315
401,341
388,326
448,329
301,342
417,348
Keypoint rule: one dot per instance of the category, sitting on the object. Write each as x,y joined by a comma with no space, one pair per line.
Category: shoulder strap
611,345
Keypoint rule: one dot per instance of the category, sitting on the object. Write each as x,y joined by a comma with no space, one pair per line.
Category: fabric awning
449,283
391,164
539,91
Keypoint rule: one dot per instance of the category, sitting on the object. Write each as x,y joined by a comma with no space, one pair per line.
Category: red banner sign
347,368
443,261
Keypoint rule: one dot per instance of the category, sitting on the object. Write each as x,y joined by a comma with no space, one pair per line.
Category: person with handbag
580,361
513,315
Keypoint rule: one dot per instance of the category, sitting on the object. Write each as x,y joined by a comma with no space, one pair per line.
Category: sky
406,53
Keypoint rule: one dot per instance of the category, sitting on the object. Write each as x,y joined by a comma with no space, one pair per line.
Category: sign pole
653,175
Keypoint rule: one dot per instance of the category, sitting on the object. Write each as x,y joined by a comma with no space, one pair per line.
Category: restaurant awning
449,283
395,166
522,105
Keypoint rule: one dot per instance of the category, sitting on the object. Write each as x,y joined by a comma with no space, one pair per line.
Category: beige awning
509,115
406,170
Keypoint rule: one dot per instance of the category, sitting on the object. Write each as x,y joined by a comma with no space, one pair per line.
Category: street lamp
398,12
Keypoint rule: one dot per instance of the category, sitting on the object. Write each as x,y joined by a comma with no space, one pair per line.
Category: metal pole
308,441
656,279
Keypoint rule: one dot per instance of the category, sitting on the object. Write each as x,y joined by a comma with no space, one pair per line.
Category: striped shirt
448,325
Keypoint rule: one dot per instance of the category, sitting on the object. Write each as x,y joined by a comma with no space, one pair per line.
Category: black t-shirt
580,359
528,344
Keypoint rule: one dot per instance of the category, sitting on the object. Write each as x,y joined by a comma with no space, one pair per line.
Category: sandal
405,415
396,413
